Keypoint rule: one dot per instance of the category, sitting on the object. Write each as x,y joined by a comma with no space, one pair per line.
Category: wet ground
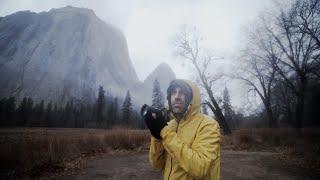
234,165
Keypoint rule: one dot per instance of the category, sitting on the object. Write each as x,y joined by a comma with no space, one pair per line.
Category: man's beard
179,112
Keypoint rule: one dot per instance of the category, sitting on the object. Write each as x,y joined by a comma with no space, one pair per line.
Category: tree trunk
272,121
300,103
289,115
299,111
217,112
221,120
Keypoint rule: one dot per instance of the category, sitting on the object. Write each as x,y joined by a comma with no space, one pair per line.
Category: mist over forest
69,68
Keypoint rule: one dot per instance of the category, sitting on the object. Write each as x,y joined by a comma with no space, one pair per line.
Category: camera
153,112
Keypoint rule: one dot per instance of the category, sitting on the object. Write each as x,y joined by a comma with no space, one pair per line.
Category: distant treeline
105,112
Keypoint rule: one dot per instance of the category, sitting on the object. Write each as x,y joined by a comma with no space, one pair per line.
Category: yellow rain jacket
189,149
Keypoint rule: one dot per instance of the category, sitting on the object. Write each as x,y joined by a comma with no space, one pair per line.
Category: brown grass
127,139
296,148
38,151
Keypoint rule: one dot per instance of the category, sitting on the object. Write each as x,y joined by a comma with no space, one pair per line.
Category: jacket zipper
171,157
170,168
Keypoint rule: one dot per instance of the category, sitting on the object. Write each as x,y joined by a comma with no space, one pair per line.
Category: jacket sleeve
156,154
197,159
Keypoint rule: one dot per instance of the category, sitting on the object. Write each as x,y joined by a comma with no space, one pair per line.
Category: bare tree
305,19
187,45
306,16
258,75
282,100
297,58
289,45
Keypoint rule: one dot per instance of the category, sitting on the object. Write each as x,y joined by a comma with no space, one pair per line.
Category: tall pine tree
100,105
40,114
49,114
116,111
30,109
110,114
226,106
126,109
157,95
55,115
22,112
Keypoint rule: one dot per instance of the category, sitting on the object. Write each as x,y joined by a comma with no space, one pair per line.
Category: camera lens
144,110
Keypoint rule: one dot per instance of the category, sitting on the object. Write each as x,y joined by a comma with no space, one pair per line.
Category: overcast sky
148,25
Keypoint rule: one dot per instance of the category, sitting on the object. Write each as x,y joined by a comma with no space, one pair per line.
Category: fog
150,25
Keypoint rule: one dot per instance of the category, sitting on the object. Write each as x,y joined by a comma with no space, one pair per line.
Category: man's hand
155,119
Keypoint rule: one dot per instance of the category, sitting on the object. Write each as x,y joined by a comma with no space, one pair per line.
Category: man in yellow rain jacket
188,146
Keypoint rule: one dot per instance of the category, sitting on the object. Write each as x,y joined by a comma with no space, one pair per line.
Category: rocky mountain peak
70,11
66,52
163,73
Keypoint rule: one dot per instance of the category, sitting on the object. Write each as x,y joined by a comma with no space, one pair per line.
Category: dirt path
235,165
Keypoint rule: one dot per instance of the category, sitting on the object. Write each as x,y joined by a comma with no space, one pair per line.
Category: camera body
154,113
156,119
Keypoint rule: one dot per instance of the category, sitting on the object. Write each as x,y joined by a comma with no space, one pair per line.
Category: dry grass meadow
297,149
36,152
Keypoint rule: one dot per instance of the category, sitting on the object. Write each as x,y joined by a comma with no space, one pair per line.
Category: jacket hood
194,106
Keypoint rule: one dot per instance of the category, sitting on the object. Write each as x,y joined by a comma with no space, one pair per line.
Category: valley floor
234,165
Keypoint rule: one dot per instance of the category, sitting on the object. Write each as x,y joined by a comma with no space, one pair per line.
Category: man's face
178,101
